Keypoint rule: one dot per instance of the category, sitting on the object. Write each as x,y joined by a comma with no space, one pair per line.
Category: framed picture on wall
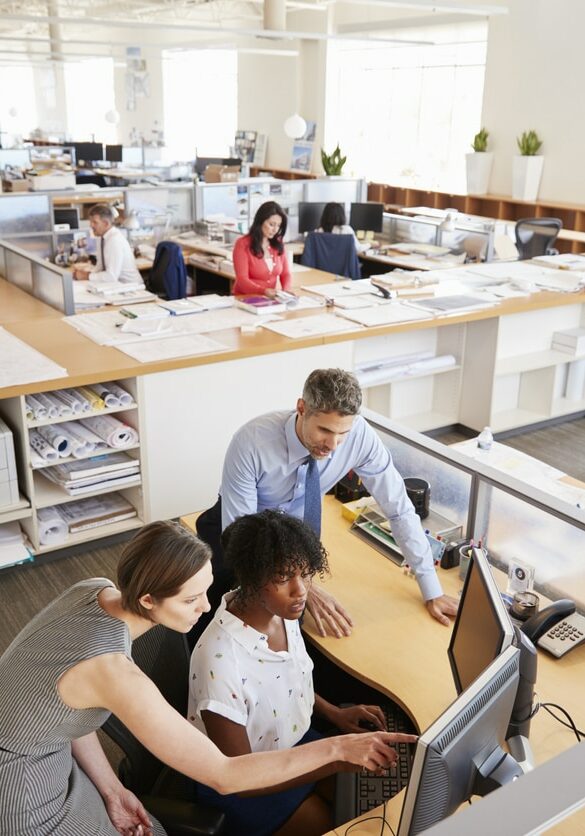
302,154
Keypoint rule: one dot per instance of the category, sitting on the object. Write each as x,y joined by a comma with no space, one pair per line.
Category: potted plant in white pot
479,164
527,167
332,163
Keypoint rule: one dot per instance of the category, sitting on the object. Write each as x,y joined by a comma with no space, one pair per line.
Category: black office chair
536,236
90,179
163,655
333,253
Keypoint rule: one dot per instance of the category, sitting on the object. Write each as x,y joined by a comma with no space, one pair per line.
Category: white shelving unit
425,399
38,492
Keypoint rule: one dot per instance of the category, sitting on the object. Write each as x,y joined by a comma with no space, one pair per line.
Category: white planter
479,168
526,174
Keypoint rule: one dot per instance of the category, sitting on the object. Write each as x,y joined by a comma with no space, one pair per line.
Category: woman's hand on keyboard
372,751
359,718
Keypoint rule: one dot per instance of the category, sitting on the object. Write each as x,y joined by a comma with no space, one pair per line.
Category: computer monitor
310,216
88,151
113,153
67,215
482,628
461,754
367,217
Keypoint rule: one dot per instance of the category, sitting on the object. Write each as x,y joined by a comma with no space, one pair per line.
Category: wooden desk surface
88,362
18,305
396,647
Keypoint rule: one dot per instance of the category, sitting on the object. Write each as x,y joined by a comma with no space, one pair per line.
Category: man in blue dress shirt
267,465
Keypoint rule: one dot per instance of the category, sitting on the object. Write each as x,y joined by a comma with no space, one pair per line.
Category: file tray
371,525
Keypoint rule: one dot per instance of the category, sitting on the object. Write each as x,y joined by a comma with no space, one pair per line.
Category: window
18,108
200,93
414,109
89,93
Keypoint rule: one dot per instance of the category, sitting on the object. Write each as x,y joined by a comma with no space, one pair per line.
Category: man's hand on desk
82,272
329,616
442,607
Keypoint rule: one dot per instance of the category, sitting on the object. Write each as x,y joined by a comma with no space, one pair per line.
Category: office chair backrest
168,276
332,252
163,655
536,236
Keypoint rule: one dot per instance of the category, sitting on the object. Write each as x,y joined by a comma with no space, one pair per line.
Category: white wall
534,79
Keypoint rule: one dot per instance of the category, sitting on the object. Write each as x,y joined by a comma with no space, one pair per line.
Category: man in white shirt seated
115,260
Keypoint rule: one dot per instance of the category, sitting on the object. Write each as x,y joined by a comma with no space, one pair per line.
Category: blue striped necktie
312,514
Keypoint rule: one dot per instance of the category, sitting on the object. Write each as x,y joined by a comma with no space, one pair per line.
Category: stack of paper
12,545
81,477
95,511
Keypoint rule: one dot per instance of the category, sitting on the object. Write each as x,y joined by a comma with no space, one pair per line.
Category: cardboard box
15,185
215,173
52,182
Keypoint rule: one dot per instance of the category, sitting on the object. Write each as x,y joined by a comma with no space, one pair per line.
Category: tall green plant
332,163
529,143
480,141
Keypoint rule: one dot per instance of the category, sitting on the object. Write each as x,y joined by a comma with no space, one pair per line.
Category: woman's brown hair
157,561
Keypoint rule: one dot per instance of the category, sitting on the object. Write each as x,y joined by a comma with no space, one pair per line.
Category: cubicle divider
513,519
42,279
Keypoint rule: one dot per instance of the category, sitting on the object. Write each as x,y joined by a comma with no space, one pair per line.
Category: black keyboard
359,792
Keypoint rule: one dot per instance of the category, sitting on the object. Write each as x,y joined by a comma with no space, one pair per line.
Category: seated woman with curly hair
251,684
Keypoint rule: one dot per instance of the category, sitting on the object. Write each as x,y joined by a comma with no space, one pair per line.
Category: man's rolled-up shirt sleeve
382,480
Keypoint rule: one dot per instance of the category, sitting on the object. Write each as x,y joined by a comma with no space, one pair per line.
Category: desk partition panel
515,520
42,279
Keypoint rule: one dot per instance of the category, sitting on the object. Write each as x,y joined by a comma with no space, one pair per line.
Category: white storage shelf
99,455
532,361
48,493
42,493
95,412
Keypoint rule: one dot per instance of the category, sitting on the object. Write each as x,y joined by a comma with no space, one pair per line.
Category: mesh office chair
536,236
163,655
332,252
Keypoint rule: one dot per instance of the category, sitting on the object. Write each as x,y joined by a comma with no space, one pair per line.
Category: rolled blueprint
114,432
93,398
53,529
38,411
42,447
124,397
51,406
90,441
57,437
107,394
66,398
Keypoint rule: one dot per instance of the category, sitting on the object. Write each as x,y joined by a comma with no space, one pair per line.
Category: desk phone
564,636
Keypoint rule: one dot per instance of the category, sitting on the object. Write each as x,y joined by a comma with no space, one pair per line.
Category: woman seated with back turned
71,666
259,257
251,684
333,220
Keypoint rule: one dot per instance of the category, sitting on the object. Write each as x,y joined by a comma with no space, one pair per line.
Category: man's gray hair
332,390
102,210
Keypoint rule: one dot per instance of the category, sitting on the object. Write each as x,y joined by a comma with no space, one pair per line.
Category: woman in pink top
259,256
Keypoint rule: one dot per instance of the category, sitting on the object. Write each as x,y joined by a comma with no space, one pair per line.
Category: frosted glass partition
450,486
21,214
40,278
333,189
517,530
515,520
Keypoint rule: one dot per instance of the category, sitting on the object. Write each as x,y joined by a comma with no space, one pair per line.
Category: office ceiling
57,30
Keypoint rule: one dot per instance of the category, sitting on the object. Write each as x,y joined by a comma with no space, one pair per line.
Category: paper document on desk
445,305
563,261
152,351
311,326
347,287
19,363
387,314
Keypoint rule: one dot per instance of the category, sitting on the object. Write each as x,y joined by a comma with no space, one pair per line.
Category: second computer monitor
366,217
67,215
88,151
310,216
482,628
114,153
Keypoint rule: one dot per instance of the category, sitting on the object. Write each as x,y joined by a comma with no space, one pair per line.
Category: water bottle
485,439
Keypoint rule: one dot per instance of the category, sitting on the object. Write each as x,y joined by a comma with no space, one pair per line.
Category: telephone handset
557,628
